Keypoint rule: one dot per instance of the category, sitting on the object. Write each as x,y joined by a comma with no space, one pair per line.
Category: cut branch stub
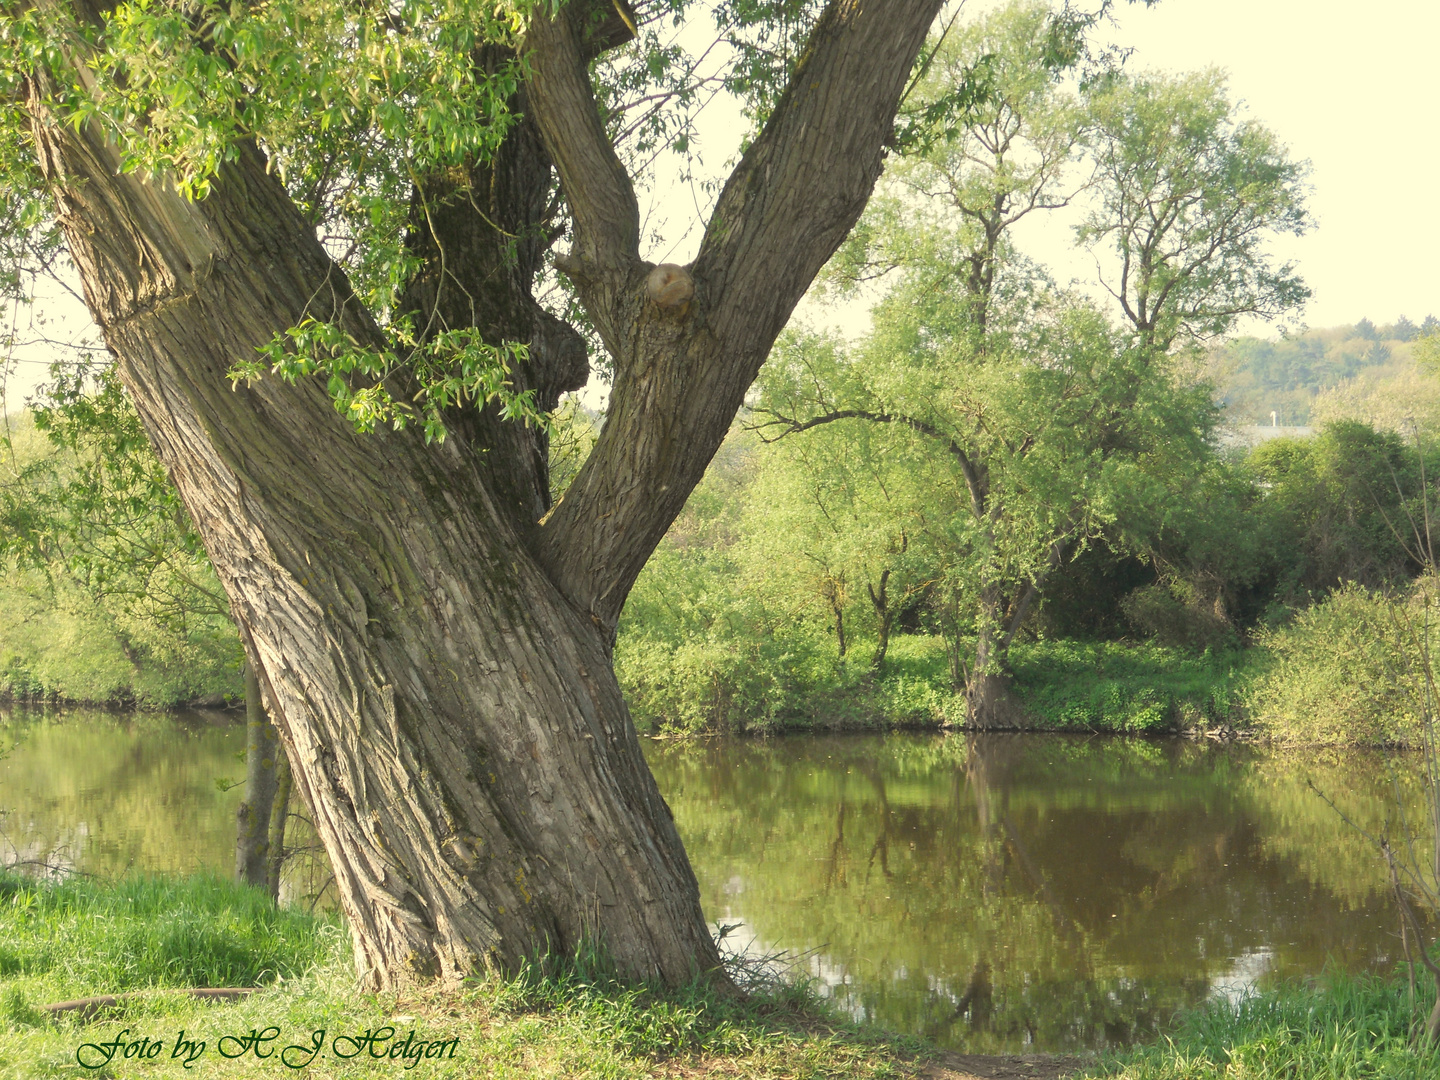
670,287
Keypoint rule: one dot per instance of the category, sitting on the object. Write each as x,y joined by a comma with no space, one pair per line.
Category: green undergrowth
573,1018
1338,1028
58,643
1114,686
1062,685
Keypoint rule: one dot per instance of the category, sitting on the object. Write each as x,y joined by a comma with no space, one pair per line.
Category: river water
1009,892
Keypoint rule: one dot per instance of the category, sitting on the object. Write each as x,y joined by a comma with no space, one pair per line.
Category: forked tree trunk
883,617
438,663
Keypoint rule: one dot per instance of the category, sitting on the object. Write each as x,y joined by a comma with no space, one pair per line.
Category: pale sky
1351,88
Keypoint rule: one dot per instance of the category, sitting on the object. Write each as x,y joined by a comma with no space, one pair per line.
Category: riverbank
1132,688
149,939
79,938
1350,670
1059,686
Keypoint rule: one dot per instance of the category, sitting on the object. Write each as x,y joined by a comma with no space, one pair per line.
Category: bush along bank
1354,668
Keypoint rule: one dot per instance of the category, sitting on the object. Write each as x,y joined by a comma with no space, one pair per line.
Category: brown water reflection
1035,891
1003,892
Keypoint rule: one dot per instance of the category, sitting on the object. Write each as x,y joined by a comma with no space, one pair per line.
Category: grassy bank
83,938
1145,688
80,938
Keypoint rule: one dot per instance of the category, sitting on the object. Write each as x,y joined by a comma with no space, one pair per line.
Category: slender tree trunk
263,756
883,616
1432,1022
279,820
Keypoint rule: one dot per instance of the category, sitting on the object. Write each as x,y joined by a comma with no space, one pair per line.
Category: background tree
97,512
1056,424
1348,503
1005,158
852,515
1187,197
91,505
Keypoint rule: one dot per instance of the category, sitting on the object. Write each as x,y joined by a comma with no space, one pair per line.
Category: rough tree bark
438,662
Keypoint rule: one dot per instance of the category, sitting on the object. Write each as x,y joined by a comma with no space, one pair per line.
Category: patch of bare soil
1002,1067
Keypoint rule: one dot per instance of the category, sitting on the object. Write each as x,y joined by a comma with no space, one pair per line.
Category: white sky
1353,88
1350,88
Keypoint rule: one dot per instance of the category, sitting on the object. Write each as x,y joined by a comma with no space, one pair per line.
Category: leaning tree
432,636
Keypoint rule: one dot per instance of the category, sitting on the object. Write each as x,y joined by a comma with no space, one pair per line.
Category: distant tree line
1254,377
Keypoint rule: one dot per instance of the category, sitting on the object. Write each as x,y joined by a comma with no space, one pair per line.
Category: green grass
83,936
1340,1028
569,1019
572,1018
1113,686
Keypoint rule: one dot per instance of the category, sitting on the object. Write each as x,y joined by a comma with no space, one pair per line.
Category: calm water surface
1007,892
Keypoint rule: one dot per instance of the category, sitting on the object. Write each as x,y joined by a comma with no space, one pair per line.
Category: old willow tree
432,636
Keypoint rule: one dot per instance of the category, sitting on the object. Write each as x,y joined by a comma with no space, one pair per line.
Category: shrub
1175,615
1349,669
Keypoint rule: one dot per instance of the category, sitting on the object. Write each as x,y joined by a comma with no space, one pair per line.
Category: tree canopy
1060,426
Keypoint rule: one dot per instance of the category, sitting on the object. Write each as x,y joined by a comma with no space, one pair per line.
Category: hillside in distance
1303,377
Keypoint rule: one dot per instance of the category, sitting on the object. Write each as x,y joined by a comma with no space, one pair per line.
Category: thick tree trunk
455,725
438,665
262,757
990,701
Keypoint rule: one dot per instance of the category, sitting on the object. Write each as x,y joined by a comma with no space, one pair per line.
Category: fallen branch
88,1007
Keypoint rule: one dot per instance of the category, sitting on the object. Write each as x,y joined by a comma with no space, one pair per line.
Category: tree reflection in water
993,892
1003,891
